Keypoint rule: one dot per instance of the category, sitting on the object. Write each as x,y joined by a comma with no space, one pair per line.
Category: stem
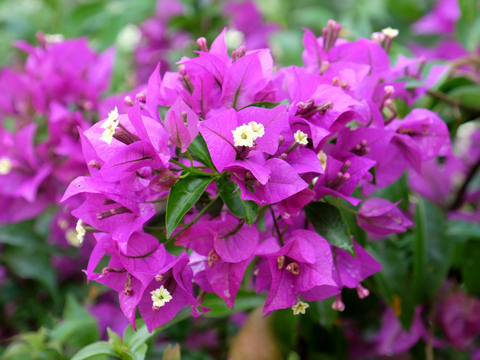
463,189
190,158
191,170
277,228
454,102
194,221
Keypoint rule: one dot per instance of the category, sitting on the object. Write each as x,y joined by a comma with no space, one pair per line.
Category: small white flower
243,136
160,296
54,38
80,231
109,125
300,307
258,129
301,137
323,159
5,165
389,32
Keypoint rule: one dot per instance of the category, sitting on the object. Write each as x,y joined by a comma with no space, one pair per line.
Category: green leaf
95,349
182,197
470,276
198,149
394,281
467,96
433,251
327,315
79,328
244,301
172,353
30,264
463,229
267,104
468,26
115,340
412,83
230,193
328,222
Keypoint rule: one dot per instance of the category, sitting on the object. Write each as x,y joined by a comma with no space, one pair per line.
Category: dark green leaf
433,251
30,264
198,149
182,197
327,315
394,281
95,349
470,276
328,222
230,193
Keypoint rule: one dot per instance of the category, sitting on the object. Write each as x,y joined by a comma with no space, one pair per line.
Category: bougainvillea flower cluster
241,169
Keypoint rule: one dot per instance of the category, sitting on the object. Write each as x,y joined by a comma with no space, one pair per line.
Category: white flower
160,296
323,159
300,307
80,231
109,125
5,166
301,137
243,136
389,32
258,129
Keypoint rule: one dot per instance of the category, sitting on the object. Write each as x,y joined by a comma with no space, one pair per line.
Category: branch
463,189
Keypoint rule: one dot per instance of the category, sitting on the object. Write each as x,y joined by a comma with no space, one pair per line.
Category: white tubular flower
109,125
5,165
80,231
323,159
243,136
301,137
160,296
391,33
258,129
300,307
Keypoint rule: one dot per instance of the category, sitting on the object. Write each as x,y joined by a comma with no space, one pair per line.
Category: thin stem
463,189
276,227
190,158
454,102
194,221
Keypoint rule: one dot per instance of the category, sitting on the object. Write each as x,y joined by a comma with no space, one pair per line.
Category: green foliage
433,251
182,197
199,151
244,301
394,281
230,193
329,223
